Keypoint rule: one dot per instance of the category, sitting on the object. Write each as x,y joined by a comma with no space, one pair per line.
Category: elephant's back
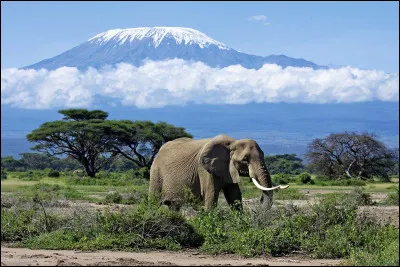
177,164
182,146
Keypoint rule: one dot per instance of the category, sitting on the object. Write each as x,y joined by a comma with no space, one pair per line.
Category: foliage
120,163
387,255
3,174
30,175
357,197
352,155
95,142
305,178
11,164
113,197
83,114
79,136
53,173
140,141
38,161
110,179
330,229
145,226
281,178
392,198
285,163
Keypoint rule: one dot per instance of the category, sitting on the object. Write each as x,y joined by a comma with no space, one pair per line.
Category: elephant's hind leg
155,187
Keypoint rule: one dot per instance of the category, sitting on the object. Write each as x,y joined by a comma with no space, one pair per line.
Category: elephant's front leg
211,198
233,196
211,192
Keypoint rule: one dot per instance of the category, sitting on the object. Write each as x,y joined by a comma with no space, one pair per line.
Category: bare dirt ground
27,257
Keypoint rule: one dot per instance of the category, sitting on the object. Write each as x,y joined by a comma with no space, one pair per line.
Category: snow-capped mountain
159,43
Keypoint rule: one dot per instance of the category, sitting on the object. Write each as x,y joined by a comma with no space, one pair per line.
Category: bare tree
351,154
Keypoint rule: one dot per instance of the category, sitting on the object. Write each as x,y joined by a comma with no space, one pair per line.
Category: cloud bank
177,82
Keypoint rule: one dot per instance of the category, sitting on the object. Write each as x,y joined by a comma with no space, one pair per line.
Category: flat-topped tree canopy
83,114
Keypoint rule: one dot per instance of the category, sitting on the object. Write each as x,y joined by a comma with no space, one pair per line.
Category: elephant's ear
215,158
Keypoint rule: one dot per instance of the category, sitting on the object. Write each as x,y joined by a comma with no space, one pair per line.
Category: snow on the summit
180,34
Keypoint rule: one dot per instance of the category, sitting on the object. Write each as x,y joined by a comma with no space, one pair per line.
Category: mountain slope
159,43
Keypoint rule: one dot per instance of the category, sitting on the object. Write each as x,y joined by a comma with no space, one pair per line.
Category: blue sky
359,34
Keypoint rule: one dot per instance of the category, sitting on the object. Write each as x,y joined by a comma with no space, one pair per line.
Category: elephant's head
228,158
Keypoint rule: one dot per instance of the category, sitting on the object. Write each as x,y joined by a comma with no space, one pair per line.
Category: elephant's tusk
280,186
266,188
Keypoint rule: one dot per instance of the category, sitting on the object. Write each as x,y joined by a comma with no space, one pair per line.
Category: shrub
385,256
392,198
322,178
3,174
53,173
357,197
281,178
305,178
360,198
146,226
135,196
113,197
141,173
30,176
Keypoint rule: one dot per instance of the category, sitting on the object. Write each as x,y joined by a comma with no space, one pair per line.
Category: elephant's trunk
262,180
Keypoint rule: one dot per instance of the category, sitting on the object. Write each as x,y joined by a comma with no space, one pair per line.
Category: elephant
207,166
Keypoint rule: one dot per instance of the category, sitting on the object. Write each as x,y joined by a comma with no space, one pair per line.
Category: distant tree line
86,140
41,161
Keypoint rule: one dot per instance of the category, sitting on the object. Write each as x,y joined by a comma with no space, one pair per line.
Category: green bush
392,198
357,197
50,193
113,197
146,226
31,175
387,255
305,178
281,178
3,174
53,173
143,173
322,178
135,196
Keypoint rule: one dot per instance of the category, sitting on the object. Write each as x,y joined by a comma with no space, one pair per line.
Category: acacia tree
350,154
79,135
140,141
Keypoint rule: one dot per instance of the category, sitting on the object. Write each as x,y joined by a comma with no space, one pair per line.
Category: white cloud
177,82
261,18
